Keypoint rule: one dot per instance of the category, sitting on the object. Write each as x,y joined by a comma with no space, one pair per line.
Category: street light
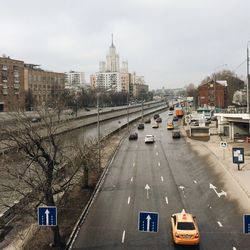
98,133
248,87
128,108
223,65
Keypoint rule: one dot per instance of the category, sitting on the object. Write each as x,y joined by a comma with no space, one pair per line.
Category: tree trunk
57,237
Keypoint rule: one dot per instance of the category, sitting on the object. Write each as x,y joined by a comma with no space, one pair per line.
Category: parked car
176,134
133,136
148,120
156,116
140,126
185,229
149,139
158,119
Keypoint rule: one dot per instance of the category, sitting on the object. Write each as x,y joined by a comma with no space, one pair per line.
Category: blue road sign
246,223
148,221
238,155
47,216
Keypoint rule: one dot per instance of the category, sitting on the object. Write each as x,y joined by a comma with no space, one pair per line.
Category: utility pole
248,87
128,108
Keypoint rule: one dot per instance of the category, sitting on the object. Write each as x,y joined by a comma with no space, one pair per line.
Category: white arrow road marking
131,179
123,236
47,216
156,153
128,199
133,164
148,222
159,164
147,187
219,223
166,198
218,194
195,181
162,178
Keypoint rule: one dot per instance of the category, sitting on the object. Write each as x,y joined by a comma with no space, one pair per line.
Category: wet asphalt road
179,178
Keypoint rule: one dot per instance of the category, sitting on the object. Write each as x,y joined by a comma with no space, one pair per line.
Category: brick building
43,85
212,94
12,96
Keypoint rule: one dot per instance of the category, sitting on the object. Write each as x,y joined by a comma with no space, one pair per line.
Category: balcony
16,86
5,91
4,67
5,86
17,80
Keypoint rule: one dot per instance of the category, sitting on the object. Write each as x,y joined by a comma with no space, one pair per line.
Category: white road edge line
219,223
128,199
166,198
131,179
162,178
123,236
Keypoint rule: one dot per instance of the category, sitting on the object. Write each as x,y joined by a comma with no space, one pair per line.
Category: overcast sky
170,42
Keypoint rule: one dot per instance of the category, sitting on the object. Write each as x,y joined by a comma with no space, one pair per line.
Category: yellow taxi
170,125
185,229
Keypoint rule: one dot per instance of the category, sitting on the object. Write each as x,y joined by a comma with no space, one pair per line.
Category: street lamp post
248,87
128,109
98,133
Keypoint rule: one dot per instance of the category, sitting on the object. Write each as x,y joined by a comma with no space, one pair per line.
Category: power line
240,65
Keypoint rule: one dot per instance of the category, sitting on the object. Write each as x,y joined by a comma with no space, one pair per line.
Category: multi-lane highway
179,176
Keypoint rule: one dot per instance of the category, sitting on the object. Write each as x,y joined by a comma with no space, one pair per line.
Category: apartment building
12,95
45,86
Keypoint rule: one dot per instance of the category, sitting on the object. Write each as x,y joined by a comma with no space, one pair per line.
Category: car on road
170,112
175,119
149,139
185,229
170,125
194,123
140,126
158,119
155,125
36,119
133,136
148,120
156,116
176,134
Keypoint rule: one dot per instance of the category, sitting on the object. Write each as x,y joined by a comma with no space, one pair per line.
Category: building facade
43,85
12,95
75,80
212,94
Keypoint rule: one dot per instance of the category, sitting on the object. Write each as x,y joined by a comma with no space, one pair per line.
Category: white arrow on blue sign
148,221
246,223
47,216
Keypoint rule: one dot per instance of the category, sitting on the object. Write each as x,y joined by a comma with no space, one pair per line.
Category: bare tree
50,167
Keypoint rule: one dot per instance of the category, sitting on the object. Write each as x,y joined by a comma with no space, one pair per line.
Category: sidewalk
242,177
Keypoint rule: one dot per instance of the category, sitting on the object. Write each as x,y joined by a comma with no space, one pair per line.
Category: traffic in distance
160,185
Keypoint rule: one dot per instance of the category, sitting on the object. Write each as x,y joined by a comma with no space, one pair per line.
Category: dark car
133,136
36,119
140,126
175,119
158,119
87,109
176,134
156,116
148,120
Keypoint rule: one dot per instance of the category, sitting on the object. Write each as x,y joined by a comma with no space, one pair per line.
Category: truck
179,113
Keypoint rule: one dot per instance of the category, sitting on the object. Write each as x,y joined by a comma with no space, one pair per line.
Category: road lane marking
156,153
128,199
123,236
166,198
234,248
133,164
155,146
162,178
219,223
159,164
195,181
131,179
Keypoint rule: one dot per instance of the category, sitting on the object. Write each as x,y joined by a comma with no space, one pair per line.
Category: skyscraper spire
112,44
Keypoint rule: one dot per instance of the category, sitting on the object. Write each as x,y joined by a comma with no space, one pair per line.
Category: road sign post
148,221
246,223
238,156
47,216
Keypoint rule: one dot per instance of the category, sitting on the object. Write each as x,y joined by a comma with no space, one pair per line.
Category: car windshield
185,226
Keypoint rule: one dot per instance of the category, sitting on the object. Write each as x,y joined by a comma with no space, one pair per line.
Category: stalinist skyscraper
112,60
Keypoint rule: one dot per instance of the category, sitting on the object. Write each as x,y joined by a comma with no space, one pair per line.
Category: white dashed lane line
133,164
128,199
159,164
132,179
219,223
123,236
195,181
162,178
166,198
234,248
156,153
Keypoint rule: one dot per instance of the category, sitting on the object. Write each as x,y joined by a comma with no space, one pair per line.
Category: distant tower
112,59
